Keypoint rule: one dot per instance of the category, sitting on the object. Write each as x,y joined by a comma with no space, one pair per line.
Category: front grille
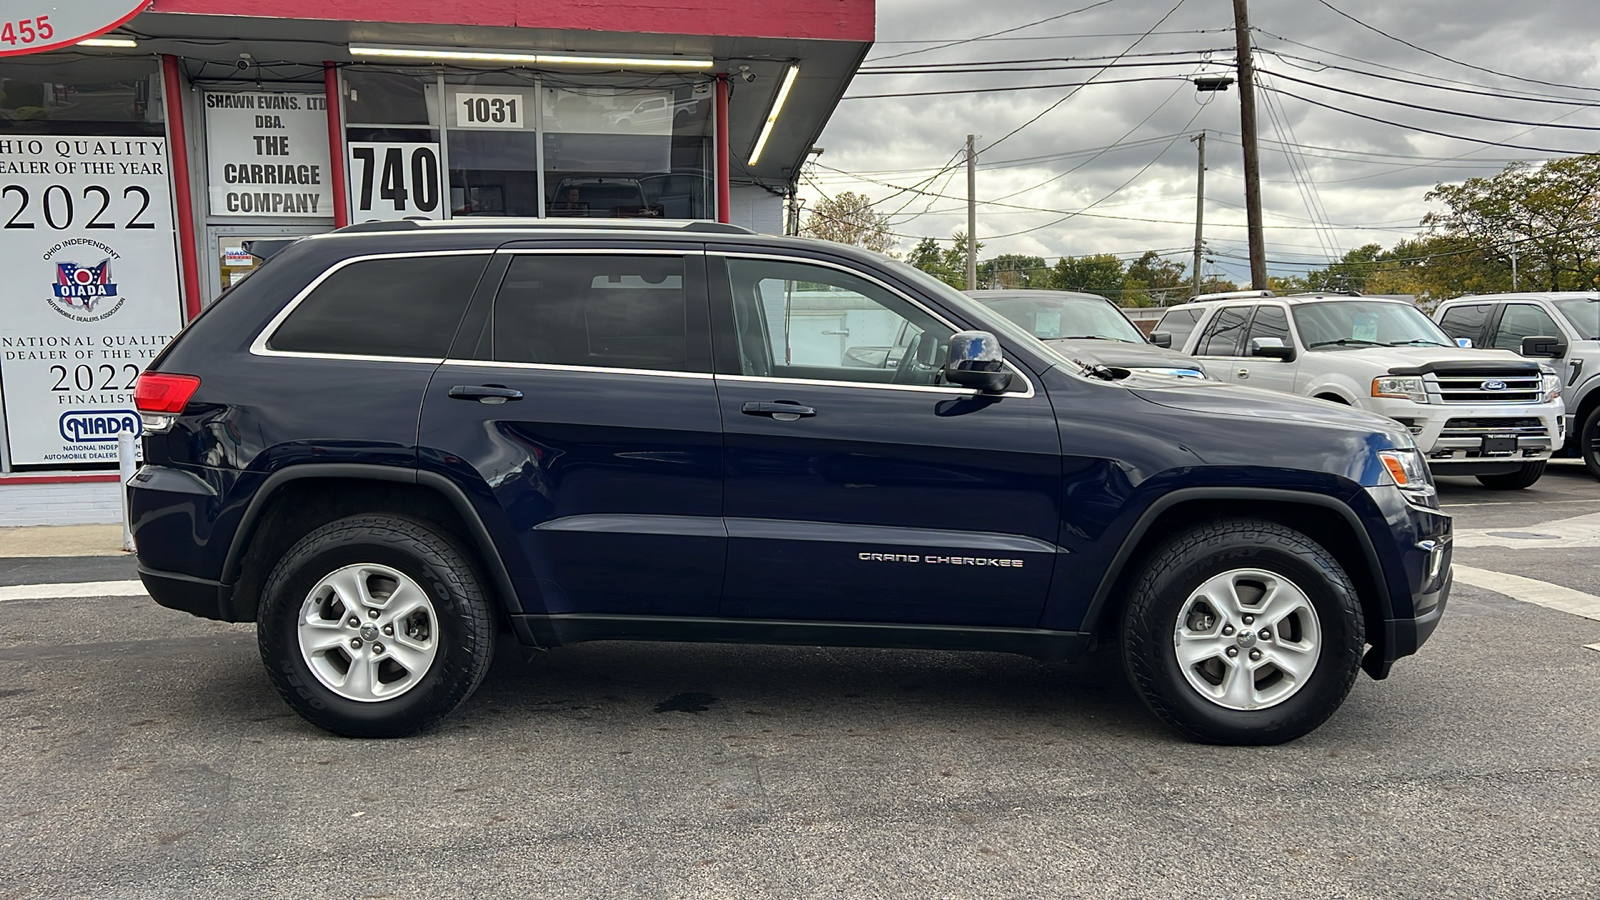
1468,387
1524,426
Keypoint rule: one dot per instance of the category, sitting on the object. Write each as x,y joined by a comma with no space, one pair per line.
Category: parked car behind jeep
394,438
1561,327
1485,413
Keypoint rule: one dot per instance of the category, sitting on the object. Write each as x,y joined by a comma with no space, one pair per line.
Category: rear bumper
195,596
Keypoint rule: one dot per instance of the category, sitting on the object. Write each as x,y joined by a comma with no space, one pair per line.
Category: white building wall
75,503
755,208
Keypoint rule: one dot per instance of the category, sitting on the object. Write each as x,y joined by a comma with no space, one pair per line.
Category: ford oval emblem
1493,385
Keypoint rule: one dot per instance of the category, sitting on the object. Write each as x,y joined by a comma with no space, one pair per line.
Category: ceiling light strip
541,59
772,117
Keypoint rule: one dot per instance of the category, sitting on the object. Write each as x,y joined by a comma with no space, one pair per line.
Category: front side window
1269,322
1520,320
403,307
1348,324
624,312
1179,323
796,320
1583,313
1221,337
1465,321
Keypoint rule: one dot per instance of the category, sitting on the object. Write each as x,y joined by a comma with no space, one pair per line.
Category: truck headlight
1410,473
1549,385
1405,387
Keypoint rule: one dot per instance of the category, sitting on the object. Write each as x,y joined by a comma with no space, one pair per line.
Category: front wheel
375,626
1514,481
1589,440
1242,631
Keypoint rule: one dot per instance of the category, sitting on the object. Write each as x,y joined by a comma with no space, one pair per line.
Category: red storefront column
724,211
341,197
178,156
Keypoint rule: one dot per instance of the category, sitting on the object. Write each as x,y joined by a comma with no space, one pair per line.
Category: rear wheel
375,626
1589,440
1514,481
1242,631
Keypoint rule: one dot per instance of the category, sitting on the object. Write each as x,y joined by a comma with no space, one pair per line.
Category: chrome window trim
803,260
553,367
258,347
822,382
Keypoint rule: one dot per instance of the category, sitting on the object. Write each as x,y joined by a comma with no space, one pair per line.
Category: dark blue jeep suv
393,440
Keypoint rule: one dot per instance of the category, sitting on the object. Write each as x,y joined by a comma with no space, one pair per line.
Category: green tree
1548,215
1098,274
948,264
1014,270
849,218
1153,281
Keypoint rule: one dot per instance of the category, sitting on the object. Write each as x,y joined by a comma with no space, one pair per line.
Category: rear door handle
485,393
782,411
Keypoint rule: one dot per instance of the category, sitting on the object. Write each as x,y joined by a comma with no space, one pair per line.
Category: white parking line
72,589
1529,590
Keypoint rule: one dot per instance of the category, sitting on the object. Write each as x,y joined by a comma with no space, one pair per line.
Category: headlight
1410,473
1549,386
1405,387
1181,372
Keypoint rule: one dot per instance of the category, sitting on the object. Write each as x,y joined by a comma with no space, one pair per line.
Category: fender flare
1141,526
452,492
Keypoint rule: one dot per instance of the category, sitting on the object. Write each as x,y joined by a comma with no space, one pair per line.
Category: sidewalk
61,540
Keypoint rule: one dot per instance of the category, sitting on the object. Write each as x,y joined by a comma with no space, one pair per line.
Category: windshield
1345,324
1584,314
974,310
1066,317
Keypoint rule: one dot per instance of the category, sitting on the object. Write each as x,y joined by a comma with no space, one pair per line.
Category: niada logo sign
99,426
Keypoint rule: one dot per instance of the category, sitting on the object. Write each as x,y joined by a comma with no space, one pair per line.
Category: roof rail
1232,295
556,224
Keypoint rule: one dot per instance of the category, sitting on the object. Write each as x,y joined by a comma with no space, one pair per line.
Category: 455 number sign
392,181
33,26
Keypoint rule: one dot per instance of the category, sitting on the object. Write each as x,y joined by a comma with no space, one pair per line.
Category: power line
1432,109
1290,59
1054,37
1019,87
993,34
1446,134
1072,93
1061,62
1376,30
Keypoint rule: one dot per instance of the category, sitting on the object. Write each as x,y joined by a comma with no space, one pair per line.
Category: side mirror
1161,339
1271,348
975,361
1545,346
1464,343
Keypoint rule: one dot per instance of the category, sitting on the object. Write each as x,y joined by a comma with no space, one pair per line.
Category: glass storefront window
86,96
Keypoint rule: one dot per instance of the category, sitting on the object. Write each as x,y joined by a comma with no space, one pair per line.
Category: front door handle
1244,373
485,393
781,410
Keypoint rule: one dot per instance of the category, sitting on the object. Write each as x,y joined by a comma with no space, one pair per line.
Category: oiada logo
99,426
80,289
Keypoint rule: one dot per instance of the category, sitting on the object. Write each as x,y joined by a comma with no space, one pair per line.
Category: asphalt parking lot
146,755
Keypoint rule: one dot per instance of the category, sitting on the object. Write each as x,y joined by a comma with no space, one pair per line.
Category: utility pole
1199,208
972,215
1513,268
1247,133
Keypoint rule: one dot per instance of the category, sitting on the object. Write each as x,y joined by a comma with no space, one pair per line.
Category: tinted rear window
384,307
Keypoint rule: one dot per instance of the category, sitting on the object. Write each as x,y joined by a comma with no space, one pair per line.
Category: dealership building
137,164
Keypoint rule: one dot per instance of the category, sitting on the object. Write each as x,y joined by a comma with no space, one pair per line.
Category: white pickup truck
1487,413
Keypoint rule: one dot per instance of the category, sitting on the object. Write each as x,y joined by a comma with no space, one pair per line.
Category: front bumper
1416,569
1452,435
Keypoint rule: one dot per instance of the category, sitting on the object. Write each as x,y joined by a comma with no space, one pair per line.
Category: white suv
1563,327
1488,413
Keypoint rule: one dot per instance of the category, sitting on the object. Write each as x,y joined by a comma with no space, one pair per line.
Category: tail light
160,397
158,392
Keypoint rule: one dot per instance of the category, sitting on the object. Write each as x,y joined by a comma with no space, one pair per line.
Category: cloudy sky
1119,157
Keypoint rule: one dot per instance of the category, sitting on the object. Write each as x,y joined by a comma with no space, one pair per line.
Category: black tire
463,639
1514,481
1186,562
1589,440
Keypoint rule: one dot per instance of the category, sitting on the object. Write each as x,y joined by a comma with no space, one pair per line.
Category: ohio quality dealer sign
33,26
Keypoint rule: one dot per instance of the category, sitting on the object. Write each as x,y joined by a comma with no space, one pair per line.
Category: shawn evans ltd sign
268,154
33,26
